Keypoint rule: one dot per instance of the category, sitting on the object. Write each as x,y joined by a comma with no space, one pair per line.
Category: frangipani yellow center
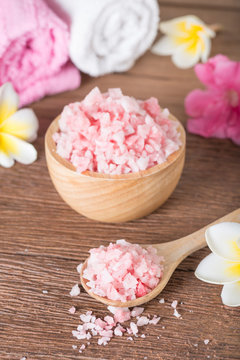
189,33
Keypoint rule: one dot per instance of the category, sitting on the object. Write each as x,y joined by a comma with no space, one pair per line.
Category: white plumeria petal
177,26
216,270
205,46
224,240
17,149
6,161
23,124
231,294
9,101
183,58
165,46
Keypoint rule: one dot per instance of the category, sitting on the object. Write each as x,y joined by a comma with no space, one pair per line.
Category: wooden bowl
114,198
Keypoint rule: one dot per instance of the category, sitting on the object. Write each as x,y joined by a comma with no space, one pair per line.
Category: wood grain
43,240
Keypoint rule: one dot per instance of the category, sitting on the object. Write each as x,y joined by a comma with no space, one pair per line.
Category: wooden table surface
42,240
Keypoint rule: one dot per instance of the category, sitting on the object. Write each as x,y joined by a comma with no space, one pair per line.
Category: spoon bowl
174,252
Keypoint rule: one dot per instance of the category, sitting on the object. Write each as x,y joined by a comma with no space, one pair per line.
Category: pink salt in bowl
114,198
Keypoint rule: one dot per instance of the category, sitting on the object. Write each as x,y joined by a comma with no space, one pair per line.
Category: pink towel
34,50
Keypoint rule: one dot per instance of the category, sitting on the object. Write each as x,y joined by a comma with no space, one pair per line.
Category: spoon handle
195,241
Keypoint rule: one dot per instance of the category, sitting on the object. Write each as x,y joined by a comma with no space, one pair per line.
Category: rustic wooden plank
45,316
214,4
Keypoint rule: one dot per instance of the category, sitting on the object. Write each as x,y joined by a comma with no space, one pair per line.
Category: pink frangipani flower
215,112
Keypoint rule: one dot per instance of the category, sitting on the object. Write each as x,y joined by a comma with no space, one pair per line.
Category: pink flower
215,112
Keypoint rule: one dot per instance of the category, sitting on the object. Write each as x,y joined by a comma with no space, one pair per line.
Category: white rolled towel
109,35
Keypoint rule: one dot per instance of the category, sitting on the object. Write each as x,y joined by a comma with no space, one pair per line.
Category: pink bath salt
134,328
176,313
86,318
136,311
115,134
154,320
123,271
103,340
143,320
119,330
109,320
99,322
79,268
75,291
174,304
122,314
82,347
72,310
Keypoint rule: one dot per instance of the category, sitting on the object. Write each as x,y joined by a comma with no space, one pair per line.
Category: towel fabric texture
108,35
34,50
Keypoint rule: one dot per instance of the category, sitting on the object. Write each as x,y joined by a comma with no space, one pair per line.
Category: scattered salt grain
162,301
72,310
196,345
79,268
109,320
130,338
134,328
174,304
83,347
176,313
74,347
23,358
143,336
143,320
136,311
45,292
206,341
75,290
154,320
86,318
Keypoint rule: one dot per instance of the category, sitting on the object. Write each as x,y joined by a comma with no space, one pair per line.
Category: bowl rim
50,146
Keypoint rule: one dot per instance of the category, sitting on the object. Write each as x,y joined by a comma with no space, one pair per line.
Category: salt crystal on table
174,304
206,341
72,310
143,320
117,332
85,318
154,320
74,347
23,358
136,311
45,292
109,319
82,347
79,268
162,301
176,313
103,340
75,290
130,338
134,328
143,336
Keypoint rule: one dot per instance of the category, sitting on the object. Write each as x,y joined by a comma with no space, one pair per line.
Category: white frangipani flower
222,266
16,128
187,39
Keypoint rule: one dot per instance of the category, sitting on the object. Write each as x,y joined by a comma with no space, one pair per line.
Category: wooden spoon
173,252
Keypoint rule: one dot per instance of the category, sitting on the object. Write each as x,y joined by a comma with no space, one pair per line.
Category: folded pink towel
34,50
